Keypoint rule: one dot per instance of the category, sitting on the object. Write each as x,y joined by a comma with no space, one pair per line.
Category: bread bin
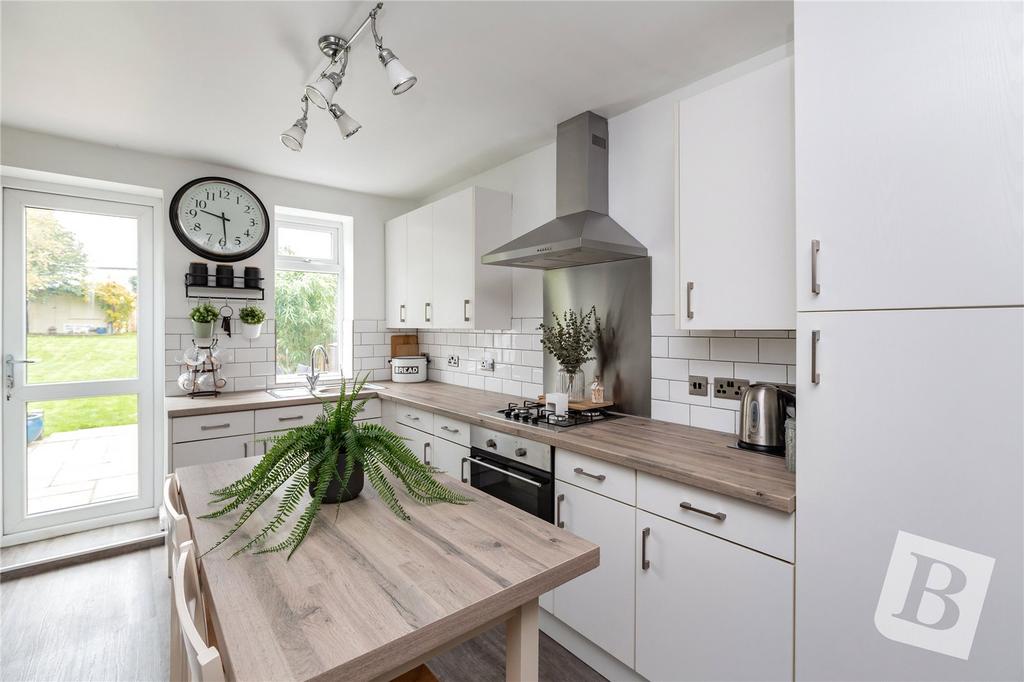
408,369
763,418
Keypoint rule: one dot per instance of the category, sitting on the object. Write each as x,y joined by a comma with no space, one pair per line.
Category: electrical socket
698,385
487,365
453,360
730,389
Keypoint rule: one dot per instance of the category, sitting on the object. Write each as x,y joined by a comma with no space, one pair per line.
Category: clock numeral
252,222
222,242
209,237
238,241
248,234
248,209
224,193
197,227
200,203
192,213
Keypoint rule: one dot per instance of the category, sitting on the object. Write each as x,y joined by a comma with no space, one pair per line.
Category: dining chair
178,531
203,661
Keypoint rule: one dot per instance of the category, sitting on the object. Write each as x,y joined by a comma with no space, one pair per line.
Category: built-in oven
514,470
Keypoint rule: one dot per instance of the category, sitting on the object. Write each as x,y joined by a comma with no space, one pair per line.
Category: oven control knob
520,452
491,443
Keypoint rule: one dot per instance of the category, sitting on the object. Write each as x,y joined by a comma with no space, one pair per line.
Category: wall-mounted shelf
211,290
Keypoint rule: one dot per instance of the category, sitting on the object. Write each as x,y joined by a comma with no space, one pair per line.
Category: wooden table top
367,592
699,457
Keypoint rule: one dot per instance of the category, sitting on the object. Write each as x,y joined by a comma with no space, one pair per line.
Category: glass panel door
78,384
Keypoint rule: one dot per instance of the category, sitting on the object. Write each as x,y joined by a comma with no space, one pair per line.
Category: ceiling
219,81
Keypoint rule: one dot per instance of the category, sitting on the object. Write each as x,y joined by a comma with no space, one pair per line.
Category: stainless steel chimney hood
583,233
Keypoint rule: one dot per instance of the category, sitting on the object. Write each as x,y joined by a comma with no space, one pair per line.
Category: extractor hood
583,233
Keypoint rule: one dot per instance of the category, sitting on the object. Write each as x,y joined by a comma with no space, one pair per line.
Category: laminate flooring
107,620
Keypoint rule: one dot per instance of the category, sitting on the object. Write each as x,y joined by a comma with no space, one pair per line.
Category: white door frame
147,205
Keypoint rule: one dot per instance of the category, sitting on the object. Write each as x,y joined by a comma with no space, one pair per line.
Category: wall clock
219,219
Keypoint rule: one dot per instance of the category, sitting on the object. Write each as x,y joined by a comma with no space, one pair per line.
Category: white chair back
178,530
204,663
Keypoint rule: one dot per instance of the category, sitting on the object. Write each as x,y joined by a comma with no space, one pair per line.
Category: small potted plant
252,321
570,340
203,316
330,458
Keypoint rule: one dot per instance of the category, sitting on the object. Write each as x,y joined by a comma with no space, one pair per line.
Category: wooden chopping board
404,344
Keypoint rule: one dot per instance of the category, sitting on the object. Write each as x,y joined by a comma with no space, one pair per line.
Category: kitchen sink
302,391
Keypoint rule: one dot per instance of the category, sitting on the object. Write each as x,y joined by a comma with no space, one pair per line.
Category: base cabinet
707,609
599,604
447,457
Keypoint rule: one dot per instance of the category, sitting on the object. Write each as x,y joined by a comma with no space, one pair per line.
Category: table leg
522,640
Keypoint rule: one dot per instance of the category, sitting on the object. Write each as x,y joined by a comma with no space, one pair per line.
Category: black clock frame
180,233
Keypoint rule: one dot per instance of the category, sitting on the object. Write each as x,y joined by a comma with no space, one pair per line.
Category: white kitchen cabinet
444,285
420,267
447,457
211,450
707,609
735,232
599,604
396,248
419,442
893,439
908,155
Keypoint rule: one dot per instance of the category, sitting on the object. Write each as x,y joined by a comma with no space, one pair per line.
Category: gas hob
532,413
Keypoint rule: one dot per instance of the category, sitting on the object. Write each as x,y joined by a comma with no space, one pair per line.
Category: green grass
84,358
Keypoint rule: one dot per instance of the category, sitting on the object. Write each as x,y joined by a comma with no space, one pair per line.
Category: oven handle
501,471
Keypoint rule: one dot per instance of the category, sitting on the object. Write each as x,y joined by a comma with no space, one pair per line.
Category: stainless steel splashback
621,292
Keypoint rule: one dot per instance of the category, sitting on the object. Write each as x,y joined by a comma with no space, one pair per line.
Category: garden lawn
84,358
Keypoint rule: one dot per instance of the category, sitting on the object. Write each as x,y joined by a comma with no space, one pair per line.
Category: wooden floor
107,620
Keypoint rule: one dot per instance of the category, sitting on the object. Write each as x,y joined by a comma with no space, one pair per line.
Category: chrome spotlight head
347,125
322,91
292,138
401,78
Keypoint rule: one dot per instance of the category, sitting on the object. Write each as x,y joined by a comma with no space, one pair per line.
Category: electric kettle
763,418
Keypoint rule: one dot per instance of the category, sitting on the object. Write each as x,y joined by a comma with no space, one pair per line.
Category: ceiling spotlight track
325,85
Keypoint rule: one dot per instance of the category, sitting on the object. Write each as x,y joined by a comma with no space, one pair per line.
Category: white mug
557,403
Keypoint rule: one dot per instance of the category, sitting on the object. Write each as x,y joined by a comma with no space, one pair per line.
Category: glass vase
571,383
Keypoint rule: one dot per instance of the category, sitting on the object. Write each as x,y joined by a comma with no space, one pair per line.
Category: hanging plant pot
335,494
202,330
251,331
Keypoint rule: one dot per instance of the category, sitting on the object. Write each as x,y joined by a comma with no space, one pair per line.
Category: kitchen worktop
699,457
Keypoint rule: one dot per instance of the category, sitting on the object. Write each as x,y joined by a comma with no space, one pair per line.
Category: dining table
368,595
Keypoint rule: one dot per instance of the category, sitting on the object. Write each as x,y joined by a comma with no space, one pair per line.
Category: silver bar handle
401,313
412,417
815,337
426,453
686,506
245,448
558,511
644,561
689,300
290,419
465,310
581,472
502,471
449,429
815,284
426,312
211,427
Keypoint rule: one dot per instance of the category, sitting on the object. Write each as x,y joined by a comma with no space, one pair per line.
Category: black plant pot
334,493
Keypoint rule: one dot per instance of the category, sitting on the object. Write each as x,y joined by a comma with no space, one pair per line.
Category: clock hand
223,217
208,213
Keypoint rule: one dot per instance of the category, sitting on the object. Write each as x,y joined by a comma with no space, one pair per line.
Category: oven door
530,489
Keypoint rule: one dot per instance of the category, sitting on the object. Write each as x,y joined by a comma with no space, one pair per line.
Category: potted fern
570,339
252,318
203,316
329,459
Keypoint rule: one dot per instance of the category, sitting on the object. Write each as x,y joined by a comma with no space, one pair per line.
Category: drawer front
284,418
744,523
612,480
212,450
206,426
370,411
451,429
415,417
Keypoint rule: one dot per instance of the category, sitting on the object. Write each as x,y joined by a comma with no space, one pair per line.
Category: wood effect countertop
367,592
698,457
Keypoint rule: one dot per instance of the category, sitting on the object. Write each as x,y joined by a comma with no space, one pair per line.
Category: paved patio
77,468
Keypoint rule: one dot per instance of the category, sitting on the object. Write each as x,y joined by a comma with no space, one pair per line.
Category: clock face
219,219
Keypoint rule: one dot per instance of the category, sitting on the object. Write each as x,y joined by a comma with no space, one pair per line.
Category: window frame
333,265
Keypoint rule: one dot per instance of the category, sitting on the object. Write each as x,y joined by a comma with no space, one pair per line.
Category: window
308,294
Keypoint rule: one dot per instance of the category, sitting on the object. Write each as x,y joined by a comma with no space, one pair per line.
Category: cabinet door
915,426
908,154
736,223
213,450
447,457
396,265
420,443
599,604
420,268
707,609
454,265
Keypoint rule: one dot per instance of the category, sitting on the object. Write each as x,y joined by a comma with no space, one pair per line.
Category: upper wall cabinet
735,223
434,275
908,155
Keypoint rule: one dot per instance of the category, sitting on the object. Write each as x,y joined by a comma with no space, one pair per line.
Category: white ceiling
218,81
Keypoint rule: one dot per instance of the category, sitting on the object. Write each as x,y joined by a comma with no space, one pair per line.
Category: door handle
449,429
815,337
412,417
686,506
211,427
401,313
644,562
426,312
558,511
689,300
10,362
465,310
289,419
462,469
426,453
815,284
245,448
581,472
